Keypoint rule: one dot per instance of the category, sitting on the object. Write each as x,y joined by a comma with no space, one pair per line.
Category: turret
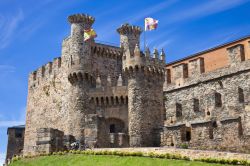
129,37
80,76
79,50
155,54
147,53
145,83
162,55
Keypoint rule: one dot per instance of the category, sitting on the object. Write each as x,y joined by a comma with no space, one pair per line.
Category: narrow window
112,100
168,76
188,134
116,100
185,71
107,100
241,95
122,100
34,75
102,101
43,71
178,110
240,129
196,105
112,128
211,134
18,134
218,102
97,101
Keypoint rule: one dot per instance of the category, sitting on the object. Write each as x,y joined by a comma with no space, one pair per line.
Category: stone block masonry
106,96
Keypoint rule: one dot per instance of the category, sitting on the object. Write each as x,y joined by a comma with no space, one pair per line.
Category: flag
150,24
89,34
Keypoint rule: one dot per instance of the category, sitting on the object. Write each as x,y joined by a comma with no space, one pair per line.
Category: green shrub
186,158
167,155
184,146
222,161
234,161
151,154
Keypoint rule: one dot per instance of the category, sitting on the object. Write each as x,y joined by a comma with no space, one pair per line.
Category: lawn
91,160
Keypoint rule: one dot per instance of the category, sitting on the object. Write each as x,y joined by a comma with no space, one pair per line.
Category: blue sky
31,33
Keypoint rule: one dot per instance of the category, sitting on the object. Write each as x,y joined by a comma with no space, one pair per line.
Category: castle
107,96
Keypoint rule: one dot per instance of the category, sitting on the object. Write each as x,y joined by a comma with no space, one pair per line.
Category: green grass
92,160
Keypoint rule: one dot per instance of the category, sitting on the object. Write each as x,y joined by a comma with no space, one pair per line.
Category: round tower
145,89
79,75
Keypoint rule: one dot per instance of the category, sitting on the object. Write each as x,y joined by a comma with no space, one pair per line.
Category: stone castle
107,96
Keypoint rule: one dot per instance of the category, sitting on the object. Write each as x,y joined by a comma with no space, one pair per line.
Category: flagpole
144,40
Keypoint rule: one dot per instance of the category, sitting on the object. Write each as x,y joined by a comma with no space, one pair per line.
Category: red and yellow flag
150,24
89,34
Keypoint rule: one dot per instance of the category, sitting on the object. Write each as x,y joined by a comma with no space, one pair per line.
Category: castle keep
107,96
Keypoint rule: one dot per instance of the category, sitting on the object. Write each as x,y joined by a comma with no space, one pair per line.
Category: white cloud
151,10
2,158
6,69
8,28
164,43
11,123
205,9
140,15
19,119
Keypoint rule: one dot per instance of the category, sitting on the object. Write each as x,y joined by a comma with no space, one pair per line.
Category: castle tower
79,75
145,84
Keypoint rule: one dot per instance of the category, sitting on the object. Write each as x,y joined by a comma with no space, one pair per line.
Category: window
168,76
196,105
178,110
34,75
116,100
97,101
211,133
107,100
112,100
218,102
185,70
112,128
241,95
18,133
102,101
188,134
122,100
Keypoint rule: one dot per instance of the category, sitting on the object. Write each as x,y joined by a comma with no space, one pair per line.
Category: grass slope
91,160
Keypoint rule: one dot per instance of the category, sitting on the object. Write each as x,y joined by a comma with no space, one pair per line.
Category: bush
184,146
150,154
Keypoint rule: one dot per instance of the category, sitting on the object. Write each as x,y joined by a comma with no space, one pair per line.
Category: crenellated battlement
79,77
126,29
144,62
115,96
45,71
81,18
103,50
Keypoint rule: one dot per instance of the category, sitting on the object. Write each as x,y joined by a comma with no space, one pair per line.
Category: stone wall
145,81
107,96
52,98
15,141
207,101
45,106
49,140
